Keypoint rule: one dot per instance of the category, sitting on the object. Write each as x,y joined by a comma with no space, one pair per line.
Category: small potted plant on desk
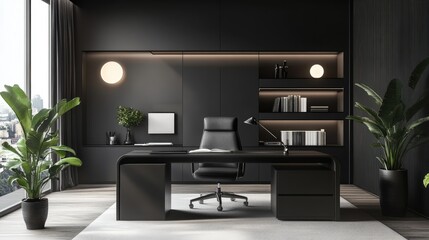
31,166
396,132
129,117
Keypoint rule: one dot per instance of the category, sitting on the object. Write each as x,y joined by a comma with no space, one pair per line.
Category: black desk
144,180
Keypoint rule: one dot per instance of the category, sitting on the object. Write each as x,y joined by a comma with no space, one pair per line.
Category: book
206,150
319,108
304,137
276,106
303,104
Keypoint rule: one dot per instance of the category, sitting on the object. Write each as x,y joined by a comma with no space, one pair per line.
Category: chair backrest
222,133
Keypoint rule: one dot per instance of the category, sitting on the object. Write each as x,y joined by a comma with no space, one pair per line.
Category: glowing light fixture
316,71
112,72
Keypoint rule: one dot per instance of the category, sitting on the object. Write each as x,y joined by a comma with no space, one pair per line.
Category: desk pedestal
146,191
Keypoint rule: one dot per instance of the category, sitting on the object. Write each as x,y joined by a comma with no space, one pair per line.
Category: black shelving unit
331,89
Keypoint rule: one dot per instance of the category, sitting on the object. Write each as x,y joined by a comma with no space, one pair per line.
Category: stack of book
319,108
290,103
304,137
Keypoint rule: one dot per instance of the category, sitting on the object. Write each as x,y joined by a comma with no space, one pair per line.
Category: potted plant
396,132
128,118
31,166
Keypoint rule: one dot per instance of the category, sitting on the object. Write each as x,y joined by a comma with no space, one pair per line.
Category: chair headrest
220,124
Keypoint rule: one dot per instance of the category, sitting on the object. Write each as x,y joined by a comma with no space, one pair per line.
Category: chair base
218,195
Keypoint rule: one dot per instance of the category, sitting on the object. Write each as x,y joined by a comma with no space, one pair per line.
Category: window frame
11,197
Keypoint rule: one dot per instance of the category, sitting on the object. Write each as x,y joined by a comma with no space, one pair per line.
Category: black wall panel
239,93
147,25
201,95
274,25
389,38
193,86
151,83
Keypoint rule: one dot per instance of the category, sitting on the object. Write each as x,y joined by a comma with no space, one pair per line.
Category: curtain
63,82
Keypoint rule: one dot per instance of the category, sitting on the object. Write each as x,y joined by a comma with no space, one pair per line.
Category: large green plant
31,166
392,124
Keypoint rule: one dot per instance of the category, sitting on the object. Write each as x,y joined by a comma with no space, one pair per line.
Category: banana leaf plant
393,123
31,164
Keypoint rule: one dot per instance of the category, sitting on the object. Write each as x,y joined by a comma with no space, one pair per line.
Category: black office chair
219,132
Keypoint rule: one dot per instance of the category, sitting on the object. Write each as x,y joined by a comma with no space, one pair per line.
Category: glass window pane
12,68
39,55
40,94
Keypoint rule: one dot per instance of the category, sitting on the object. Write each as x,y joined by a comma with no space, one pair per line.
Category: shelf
331,97
334,128
302,116
300,82
299,64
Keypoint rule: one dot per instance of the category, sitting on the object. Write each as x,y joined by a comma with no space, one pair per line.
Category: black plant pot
129,138
35,213
393,192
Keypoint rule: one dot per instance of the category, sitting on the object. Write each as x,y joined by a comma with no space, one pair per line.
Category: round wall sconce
316,71
112,72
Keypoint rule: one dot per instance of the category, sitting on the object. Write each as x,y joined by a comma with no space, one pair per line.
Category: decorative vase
393,192
35,213
129,138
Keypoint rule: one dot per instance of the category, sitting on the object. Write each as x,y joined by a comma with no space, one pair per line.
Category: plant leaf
63,149
22,146
12,164
73,161
426,180
54,170
374,114
49,143
418,122
39,118
44,165
9,148
378,100
67,106
392,98
413,109
417,73
20,104
34,141
22,182
370,124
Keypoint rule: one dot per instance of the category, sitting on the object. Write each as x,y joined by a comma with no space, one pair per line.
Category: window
40,96
13,60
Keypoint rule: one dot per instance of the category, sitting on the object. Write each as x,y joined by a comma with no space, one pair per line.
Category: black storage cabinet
303,192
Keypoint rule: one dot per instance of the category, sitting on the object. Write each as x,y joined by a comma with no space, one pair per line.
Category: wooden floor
72,210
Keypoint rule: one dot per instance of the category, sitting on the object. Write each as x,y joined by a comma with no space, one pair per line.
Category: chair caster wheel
220,208
232,199
246,203
191,206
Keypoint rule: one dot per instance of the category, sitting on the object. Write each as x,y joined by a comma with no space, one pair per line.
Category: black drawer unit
303,192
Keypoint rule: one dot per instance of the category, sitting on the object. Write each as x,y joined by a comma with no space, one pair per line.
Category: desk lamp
253,121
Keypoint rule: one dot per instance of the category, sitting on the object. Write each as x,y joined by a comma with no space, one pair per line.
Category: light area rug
235,222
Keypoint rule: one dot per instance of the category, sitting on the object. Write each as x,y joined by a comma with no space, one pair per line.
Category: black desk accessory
253,121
